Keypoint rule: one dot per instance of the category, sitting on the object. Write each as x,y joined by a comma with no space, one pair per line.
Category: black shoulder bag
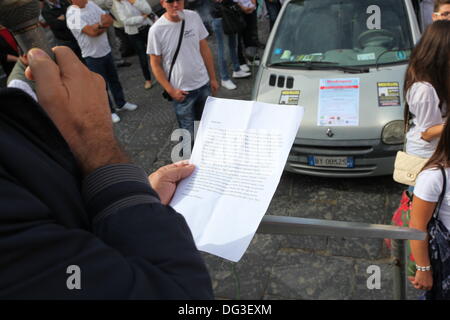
439,251
165,94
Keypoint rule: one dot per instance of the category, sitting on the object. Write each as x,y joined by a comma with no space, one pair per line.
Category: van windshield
342,33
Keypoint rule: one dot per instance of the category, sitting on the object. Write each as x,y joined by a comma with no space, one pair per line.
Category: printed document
240,151
338,102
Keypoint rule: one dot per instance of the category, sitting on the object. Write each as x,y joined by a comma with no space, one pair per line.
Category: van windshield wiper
320,65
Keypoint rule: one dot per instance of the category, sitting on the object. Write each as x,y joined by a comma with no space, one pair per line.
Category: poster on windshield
338,102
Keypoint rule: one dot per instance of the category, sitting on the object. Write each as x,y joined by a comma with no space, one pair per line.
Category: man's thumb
184,171
43,68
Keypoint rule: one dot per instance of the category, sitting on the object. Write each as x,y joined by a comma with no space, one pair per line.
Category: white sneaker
245,68
228,84
241,74
128,106
115,117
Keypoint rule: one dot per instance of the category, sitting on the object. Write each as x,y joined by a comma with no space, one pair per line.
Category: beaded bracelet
427,268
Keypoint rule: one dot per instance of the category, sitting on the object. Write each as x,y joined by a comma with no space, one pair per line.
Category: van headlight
393,133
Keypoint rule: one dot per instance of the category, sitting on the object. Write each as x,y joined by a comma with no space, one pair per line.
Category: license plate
341,162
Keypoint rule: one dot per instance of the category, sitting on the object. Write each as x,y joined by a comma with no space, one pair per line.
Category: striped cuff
115,187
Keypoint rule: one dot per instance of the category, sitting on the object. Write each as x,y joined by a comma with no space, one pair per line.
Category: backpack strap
180,39
441,196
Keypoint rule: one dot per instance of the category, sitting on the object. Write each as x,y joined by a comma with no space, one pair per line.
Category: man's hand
76,101
61,18
106,20
214,86
164,180
178,95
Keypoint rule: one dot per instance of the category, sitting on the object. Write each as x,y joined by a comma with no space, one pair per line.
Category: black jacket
50,220
215,7
58,27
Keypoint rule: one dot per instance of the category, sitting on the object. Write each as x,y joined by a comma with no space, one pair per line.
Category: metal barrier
318,227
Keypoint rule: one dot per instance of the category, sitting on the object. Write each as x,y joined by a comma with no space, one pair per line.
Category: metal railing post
399,274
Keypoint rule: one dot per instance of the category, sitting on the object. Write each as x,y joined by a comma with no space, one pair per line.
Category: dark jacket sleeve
137,248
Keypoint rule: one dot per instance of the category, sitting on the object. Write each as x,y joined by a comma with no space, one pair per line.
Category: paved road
274,266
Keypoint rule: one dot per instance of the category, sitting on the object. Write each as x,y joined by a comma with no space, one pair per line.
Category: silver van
344,61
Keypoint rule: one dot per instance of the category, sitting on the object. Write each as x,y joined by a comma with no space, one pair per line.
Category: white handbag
407,167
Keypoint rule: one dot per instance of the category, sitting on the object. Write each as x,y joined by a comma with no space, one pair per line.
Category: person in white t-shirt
428,188
193,77
88,23
427,101
426,88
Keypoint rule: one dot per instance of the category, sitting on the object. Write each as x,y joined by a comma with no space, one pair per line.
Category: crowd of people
91,29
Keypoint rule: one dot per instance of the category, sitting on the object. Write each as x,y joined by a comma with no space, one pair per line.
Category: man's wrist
96,152
171,90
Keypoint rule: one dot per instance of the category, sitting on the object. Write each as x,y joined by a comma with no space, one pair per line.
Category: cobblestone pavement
276,266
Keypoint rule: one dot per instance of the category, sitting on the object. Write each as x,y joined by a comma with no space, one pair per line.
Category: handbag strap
180,39
441,196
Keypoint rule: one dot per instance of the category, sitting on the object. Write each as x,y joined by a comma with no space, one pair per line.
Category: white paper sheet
338,102
240,151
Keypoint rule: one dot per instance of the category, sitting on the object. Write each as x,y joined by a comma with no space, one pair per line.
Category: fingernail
36,53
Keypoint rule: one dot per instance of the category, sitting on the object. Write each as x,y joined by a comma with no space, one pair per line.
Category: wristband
427,268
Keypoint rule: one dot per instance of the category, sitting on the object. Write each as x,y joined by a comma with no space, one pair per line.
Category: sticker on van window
278,51
401,55
289,97
286,55
366,56
388,94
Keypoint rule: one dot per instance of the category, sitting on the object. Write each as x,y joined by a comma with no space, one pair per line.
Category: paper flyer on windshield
240,152
338,102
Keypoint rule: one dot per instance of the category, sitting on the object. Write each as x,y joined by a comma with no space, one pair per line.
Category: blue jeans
232,48
191,108
105,67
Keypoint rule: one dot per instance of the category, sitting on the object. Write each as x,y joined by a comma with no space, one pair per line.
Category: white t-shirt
189,71
131,14
77,19
428,187
423,103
